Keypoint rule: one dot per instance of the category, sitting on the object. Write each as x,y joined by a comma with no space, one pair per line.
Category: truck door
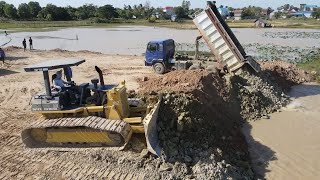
153,53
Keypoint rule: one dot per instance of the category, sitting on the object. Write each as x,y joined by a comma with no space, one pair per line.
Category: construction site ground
17,88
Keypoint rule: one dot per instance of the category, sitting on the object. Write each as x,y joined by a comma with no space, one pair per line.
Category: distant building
308,7
292,11
260,23
224,12
169,11
237,14
306,14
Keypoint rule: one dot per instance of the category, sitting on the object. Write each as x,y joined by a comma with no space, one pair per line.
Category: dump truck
88,114
219,38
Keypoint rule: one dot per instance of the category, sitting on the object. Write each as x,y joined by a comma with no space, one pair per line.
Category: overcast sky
162,3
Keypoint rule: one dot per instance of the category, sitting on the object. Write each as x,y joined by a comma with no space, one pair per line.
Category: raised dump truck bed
221,40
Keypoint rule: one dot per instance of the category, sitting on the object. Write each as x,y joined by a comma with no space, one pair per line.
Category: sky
162,3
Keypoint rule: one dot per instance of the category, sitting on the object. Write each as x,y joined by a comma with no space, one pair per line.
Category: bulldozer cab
73,95
65,64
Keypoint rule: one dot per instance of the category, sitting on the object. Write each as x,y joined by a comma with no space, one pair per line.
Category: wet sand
287,146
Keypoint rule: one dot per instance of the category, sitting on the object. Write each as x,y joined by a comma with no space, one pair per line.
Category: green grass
279,23
312,65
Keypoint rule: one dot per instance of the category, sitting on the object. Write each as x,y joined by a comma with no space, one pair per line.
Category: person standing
5,32
2,55
30,43
24,43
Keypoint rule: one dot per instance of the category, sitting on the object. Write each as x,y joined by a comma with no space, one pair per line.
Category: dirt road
286,146
17,87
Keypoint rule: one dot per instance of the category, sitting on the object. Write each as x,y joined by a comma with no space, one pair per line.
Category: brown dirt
285,74
184,82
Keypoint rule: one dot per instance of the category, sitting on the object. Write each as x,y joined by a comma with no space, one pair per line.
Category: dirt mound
87,51
257,95
182,82
285,74
59,50
201,115
198,125
12,48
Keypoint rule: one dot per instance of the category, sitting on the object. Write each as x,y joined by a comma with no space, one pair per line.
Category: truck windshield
152,47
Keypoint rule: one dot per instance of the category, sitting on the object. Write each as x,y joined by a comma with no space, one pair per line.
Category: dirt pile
257,95
201,115
183,82
198,125
285,74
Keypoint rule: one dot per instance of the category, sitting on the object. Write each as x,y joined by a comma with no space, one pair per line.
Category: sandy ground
17,88
287,146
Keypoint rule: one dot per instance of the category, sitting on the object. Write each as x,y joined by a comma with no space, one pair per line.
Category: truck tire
159,68
194,67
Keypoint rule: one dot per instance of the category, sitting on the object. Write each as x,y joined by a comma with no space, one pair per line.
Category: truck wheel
194,67
158,68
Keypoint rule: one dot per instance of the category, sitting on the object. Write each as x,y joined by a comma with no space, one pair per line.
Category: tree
48,13
316,14
180,12
54,13
72,12
86,11
186,5
107,12
2,5
34,8
230,8
277,15
286,7
24,11
61,14
251,12
10,11
269,10
152,19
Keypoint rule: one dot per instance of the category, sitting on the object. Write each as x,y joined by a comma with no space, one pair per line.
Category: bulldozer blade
151,131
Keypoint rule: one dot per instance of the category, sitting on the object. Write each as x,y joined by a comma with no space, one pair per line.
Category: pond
132,40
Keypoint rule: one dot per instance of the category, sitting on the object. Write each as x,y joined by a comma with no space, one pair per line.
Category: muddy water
287,146
132,40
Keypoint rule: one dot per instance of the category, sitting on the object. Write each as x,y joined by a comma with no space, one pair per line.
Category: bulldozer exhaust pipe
100,76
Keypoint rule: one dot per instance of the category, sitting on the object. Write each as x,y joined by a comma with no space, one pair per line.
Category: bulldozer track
113,127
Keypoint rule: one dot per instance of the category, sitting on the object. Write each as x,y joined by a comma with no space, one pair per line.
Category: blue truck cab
159,54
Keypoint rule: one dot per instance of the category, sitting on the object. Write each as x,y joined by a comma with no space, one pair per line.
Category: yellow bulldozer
89,114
